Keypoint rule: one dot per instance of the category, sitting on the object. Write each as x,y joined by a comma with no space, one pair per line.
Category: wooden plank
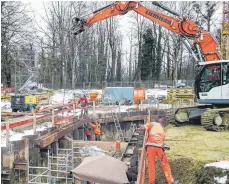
59,133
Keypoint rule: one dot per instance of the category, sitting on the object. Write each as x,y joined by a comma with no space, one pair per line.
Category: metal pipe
187,45
37,176
199,53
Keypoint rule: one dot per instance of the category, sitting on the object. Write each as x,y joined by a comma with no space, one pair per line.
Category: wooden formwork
185,95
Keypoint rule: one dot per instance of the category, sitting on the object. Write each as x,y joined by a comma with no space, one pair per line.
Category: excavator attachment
78,25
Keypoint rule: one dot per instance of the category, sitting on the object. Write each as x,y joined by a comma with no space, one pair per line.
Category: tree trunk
168,62
119,66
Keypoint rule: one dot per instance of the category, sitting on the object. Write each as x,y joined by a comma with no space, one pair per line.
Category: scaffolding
57,170
58,166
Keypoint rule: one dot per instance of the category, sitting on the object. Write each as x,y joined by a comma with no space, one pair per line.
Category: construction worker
87,132
97,130
84,105
155,148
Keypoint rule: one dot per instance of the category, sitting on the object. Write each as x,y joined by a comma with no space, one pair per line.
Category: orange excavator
213,110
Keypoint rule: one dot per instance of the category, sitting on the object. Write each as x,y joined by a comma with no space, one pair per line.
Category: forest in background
47,50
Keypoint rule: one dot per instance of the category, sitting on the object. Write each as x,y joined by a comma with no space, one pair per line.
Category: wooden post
34,122
93,109
74,105
149,115
158,103
74,108
7,131
53,121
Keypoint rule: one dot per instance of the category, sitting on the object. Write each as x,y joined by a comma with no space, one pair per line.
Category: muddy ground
191,148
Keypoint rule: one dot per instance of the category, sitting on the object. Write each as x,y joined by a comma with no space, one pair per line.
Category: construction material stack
183,95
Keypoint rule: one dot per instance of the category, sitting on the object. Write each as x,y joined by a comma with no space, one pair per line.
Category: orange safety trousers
152,152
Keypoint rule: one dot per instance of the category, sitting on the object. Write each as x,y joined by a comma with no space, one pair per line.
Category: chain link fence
135,84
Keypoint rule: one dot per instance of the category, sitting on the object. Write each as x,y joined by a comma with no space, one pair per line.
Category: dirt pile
184,169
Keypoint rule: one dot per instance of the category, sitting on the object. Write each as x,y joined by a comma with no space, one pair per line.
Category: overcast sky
37,7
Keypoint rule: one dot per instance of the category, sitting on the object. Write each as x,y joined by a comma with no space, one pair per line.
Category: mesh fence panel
135,84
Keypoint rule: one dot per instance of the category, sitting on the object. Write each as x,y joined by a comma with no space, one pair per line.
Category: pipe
187,45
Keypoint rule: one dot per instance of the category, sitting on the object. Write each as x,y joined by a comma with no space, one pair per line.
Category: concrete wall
107,146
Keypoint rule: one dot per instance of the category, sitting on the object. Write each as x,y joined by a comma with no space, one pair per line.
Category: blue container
118,94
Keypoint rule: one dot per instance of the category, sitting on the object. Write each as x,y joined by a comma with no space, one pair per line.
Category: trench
39,157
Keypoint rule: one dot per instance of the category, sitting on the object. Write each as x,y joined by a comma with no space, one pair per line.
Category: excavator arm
205,46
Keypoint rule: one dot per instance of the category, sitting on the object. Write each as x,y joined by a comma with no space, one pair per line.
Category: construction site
136,132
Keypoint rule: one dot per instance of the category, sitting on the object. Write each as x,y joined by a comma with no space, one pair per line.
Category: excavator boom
205,45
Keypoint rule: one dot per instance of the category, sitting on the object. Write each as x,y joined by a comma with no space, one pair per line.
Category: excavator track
183,116
216,119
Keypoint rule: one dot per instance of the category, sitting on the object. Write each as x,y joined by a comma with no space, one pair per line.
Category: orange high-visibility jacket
87,131
156,134
97,128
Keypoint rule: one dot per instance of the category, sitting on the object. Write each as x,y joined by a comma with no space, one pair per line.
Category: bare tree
119,59
14,31
205,12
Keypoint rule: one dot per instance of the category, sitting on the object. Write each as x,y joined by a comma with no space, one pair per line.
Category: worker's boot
176,182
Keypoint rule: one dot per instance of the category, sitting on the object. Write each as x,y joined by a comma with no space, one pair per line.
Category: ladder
117,125
115,118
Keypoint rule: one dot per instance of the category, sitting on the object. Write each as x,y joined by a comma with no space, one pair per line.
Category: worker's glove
165,147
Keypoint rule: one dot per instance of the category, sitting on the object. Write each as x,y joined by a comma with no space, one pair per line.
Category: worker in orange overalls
87,132
97,130
155,148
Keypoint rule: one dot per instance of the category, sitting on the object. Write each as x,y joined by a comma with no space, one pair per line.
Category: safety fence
137,84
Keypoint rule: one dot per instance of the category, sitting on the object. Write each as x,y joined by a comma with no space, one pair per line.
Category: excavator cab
212,83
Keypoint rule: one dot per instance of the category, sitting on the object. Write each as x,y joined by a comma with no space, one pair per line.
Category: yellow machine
23,102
